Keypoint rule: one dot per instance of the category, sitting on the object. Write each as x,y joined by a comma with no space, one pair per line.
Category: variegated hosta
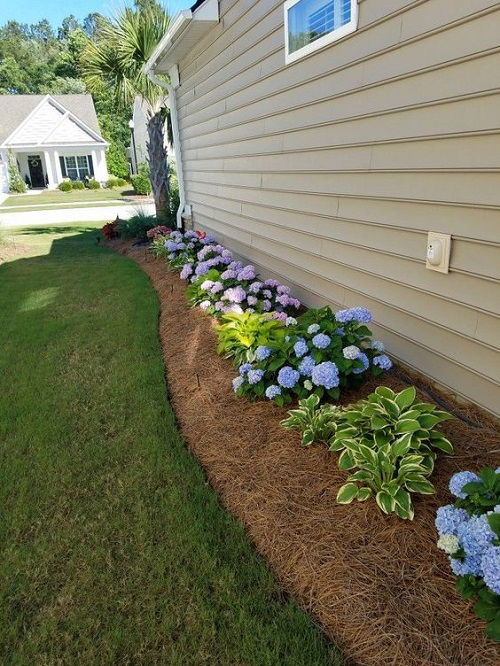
390,438
317,425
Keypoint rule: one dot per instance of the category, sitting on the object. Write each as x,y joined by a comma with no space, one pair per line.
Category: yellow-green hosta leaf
424,487
346,460
363,494
385,501
405,398
407,425
385,391
347,493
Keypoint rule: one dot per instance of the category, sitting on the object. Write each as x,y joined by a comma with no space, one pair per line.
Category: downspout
177,142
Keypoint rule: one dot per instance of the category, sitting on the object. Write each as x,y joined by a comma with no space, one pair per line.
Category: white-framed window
312,24
77,167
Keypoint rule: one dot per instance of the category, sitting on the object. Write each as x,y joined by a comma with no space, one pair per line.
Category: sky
32,11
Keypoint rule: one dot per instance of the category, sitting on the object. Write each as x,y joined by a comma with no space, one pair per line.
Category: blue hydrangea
321,340
306,366
313,328
458,481
273,391
449,518
262,352
187,269
288,377
475,535
361,315
490,563
254,376
238,383
470,565
377,345
339,331
351,352
300,348
245,368
325,374
383,362
364,360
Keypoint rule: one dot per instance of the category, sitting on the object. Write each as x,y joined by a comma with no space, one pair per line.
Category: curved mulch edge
378,586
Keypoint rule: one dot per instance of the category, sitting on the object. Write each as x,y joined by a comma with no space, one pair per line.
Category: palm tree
116,60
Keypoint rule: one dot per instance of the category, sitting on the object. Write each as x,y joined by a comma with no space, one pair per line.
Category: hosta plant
316,423
469,532
241,334
391,440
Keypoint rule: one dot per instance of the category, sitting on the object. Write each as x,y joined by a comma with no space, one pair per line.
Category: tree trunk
158,166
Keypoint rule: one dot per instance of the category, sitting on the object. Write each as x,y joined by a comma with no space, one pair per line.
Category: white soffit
184,33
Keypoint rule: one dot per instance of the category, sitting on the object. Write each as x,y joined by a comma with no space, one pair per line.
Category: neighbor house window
312,24
77,168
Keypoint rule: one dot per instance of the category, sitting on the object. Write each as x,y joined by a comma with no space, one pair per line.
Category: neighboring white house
138,149
53,137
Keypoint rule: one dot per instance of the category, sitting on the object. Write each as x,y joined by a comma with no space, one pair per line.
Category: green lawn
75,197
115,550
32,209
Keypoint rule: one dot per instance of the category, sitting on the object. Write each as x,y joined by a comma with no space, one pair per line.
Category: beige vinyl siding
330,171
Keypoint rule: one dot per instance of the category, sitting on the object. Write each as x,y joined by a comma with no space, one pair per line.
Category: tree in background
116,59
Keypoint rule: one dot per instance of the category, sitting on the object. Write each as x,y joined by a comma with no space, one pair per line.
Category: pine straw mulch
377,585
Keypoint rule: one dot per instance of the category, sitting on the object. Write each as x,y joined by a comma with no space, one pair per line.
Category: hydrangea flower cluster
466,530
315,356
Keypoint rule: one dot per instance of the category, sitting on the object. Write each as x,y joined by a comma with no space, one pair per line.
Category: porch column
49,170
57,168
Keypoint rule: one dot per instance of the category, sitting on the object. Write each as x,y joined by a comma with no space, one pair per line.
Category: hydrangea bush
183,248
322,353
469,533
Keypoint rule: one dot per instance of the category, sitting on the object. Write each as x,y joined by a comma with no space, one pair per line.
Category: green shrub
390,438
115,182
140,181
16,183
317,424
93,184
65,186
116,159
137,226
241,334
77,185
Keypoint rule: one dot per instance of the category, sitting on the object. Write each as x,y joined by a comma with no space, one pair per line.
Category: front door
36,171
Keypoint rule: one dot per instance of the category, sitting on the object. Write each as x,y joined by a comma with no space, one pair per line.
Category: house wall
4,175
330,171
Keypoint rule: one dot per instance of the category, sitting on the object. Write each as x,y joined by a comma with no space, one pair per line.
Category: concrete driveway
83,214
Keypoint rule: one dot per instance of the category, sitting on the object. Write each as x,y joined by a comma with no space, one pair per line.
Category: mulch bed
377,585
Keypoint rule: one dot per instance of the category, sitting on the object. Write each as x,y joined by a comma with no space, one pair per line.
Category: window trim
320,43
77,167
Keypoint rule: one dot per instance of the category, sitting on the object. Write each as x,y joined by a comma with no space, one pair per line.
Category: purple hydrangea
325,374
252,300
321,340
254,376
235,294
234,308
238,383
364,360
187,269
300,348
216,287
280,316
273,391
306,366
283,300
351,353
271,282
449,518
243,369
255,287
470,565
313,328
204,305
475,535
202,268
219,306
294,302
262,352
459,480
228,275
282,289
267,294
266,305
247,273
490,564
383,362
206,285
288,377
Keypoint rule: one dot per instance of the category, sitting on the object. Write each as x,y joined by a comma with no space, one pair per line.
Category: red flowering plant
158,231
110,230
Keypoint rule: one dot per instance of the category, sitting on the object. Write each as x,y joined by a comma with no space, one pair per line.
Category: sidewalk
47,217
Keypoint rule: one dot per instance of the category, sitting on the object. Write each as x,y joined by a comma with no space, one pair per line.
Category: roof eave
188,27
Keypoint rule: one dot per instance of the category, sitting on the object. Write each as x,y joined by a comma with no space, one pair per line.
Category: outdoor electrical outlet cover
438,252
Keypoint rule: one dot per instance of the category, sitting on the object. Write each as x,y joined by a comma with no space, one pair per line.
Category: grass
115,550
75,196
